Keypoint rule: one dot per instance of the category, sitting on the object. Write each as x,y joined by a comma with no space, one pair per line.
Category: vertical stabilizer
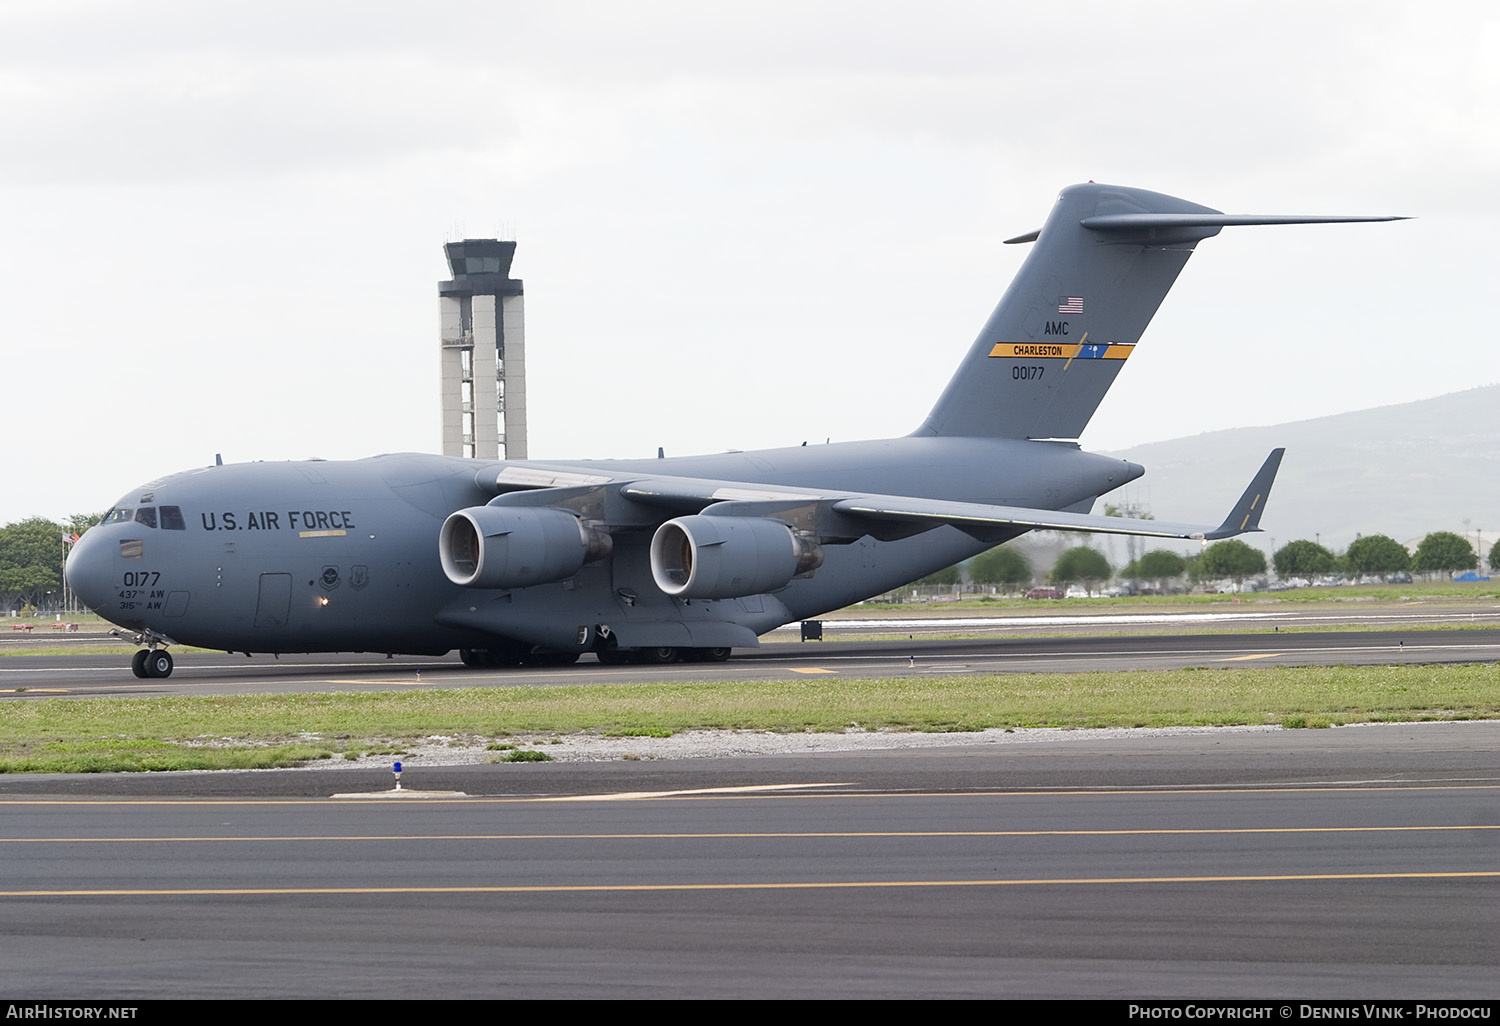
1103,262
1071,318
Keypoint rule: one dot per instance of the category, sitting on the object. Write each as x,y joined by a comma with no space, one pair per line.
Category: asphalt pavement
1356,862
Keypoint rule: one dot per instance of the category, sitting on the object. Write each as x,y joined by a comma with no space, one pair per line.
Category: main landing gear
516,656
610,654
608,650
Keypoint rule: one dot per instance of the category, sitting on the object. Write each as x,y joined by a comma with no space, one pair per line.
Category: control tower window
482,265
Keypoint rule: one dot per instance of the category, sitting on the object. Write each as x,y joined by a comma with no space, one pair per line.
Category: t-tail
1103,262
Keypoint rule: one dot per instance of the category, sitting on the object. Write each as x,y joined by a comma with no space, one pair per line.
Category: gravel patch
458,750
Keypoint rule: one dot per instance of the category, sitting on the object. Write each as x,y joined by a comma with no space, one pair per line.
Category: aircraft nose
90,569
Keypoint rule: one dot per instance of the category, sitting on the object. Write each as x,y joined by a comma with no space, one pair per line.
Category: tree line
31,560
1376,555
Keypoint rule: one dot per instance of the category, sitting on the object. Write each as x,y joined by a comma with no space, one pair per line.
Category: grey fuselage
343,556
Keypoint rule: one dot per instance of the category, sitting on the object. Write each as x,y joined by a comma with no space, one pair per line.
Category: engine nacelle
728,557
515,547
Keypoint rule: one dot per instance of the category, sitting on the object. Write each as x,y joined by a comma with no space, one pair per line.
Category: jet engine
505,547
727,557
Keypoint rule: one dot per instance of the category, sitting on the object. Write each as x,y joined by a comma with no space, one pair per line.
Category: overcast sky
740,225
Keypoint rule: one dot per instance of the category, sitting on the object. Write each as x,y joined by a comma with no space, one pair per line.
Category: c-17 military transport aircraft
656,560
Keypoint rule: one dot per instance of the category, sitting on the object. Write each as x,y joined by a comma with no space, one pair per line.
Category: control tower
483,351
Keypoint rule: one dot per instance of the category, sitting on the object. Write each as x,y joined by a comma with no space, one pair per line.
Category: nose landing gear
153,661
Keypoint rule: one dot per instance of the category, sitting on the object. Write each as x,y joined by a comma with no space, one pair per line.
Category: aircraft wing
733,499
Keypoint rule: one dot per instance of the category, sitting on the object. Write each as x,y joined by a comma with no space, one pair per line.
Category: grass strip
262,731
1435,592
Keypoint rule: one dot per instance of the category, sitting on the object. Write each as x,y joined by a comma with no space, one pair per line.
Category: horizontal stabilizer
1131,222
1144,222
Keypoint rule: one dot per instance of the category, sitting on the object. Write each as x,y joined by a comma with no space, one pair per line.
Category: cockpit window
119,515
171,519
146,515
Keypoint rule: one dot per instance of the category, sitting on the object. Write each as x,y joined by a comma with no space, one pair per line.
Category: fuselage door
274,605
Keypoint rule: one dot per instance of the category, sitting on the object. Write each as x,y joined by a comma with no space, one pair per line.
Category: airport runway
83,675
1355,863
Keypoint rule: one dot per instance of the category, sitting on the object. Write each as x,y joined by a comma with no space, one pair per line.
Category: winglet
1245,516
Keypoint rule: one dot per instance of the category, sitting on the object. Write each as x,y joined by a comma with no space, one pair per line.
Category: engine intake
503,547
728,557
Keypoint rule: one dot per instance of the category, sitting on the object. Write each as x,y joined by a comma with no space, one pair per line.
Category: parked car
1045,593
